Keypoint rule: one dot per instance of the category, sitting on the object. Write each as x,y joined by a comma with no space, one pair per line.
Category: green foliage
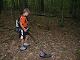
46,7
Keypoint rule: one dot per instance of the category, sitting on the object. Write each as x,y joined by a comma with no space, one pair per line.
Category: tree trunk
42,6
1,5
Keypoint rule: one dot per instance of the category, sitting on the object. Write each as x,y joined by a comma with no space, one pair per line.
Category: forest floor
62,43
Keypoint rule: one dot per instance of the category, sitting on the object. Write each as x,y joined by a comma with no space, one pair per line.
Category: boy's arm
21,23
22,26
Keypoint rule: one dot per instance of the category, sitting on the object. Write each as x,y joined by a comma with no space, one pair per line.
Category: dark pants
22,33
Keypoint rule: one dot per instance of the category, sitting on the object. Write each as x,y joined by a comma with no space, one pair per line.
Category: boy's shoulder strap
28,18
19,18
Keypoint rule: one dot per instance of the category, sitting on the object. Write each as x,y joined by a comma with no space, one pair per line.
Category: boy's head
25,12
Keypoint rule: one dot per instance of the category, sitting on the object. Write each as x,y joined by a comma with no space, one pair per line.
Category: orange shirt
24,21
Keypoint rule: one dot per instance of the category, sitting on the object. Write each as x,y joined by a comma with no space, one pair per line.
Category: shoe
26,45
44,55
22,48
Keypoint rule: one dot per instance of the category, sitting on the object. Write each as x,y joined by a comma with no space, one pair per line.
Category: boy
24,28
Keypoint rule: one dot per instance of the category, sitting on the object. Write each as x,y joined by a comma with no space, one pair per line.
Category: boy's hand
25,30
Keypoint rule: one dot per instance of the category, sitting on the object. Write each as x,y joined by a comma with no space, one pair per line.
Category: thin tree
23,4
26,3
61,21
74,8
42,6
1,5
